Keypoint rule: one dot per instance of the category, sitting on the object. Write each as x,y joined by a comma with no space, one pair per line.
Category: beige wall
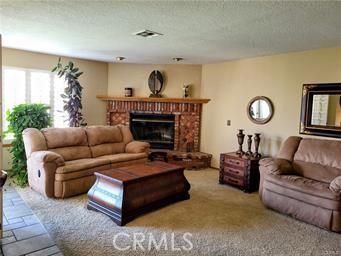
232,84
136,76
94,79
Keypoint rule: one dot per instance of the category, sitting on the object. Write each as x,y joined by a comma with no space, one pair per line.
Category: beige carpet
222,220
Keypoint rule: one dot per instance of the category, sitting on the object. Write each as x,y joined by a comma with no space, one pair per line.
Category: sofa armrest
41,169
272,166
275,166
335,185
48,156
137,147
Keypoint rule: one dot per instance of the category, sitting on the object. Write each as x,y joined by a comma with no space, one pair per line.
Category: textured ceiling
200,32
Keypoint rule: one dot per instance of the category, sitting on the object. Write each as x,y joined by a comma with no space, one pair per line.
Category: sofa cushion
60,177
301,210
73,153
303,189
65,137
322,153
126,134
71,187
107,149
103,134
316,171
289,147
34,140
74,183
123,157
81,164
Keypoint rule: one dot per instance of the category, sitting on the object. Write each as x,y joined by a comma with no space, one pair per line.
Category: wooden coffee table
126,192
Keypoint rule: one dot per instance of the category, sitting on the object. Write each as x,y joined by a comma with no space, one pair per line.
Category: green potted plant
21,117
73,92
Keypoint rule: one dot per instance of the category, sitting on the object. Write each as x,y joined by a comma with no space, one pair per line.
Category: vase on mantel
240,137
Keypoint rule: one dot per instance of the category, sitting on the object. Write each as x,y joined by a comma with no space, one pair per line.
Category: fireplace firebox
157,129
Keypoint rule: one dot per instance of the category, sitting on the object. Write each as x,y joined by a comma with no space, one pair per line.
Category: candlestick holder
249,143
240,137
257,141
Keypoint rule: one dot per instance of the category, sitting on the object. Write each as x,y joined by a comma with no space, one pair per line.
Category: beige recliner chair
61,161
304,181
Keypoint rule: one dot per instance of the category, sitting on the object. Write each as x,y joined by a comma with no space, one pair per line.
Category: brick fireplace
187,116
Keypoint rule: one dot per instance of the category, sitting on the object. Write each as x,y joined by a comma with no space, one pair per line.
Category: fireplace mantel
187,113
146,99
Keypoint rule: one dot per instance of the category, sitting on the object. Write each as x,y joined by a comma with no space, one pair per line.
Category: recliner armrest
335,185
276,166
137,147
48,156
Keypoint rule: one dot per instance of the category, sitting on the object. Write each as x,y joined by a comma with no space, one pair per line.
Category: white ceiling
200,32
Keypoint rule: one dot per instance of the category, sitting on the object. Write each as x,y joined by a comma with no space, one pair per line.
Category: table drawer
234,171
235,162
234,181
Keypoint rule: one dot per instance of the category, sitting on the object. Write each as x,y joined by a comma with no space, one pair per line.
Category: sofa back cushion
105,140
126,133
73,153
318,159
70,143
34,140
289,148
101,134
107,149
65,137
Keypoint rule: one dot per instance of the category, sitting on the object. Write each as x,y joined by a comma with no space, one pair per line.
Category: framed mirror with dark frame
260,110
321,110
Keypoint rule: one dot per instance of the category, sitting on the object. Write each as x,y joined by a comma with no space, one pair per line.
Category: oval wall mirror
260,110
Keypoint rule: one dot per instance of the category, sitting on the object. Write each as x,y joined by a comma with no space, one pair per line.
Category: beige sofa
61,161
304,181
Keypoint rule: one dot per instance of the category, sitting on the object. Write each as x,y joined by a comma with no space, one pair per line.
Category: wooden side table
239,171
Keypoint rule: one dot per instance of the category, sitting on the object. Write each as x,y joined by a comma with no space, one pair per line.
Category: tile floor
23,232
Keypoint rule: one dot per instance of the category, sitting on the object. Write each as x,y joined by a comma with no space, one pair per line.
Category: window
33,86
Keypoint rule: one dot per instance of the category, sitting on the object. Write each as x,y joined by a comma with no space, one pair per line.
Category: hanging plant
72,96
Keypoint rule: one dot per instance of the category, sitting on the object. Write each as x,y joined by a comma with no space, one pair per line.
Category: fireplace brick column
176,132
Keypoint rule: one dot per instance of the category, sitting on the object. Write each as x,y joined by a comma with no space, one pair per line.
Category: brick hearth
187,116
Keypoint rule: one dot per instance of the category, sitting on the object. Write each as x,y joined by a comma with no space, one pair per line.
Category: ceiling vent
177,59
147,33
